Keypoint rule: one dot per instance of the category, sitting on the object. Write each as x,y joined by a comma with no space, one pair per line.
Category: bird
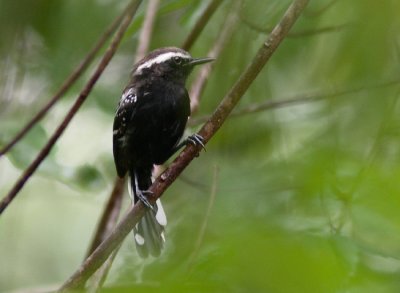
149,123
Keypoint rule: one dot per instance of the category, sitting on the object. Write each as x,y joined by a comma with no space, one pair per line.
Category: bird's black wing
125,111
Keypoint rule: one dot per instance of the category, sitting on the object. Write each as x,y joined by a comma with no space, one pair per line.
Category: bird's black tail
149,232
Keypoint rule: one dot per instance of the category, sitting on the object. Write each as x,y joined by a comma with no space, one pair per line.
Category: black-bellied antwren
148,126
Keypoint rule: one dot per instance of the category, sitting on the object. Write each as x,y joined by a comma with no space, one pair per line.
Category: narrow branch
263,55
320,10
298,34
67,83
75,107
147,29
200,24
200,83
110,215
100,255
298,99
100,276
321,30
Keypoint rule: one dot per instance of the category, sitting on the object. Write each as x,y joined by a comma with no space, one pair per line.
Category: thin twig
201,80
298,34
321,10
75,107
203,227
298,99
110,215
202,76
200,24
147,29
127,223
100,276
321,30
67,84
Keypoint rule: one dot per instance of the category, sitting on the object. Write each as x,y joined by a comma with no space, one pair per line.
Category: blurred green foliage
308,195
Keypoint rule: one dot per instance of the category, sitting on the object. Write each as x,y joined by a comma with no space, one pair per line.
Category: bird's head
170,63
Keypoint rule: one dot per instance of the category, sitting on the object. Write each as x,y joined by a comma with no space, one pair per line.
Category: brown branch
298,34
101,254
75,107
100,276
200,24
298,99
67,83
110,215
199,84
205,70
264,106
147,29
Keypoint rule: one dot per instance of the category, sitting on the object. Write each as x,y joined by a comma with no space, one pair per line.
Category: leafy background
308,195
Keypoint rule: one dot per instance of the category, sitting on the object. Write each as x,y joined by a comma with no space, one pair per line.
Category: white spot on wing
161,58
139,239
130,91
160,216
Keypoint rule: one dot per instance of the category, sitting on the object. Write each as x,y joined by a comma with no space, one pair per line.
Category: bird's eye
178,60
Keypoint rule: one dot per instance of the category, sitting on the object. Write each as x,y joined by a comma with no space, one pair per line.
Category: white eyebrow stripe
161,58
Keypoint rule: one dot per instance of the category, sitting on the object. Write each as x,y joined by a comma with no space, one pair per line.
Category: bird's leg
196,140
142,195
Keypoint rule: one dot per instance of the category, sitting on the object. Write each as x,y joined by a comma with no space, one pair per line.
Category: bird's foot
196,140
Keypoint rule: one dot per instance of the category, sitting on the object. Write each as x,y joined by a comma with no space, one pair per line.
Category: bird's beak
197,61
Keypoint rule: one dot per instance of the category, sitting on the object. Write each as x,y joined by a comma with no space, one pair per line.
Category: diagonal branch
109,216
127,223
147,29
200,24
75,107
108,219
67,84
298,99
199,84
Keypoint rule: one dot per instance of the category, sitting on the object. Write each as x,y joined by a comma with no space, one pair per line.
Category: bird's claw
141,194
196,140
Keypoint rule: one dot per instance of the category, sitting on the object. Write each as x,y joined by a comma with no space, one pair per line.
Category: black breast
158,123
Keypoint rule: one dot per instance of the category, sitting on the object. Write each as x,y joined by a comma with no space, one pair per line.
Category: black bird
148,126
